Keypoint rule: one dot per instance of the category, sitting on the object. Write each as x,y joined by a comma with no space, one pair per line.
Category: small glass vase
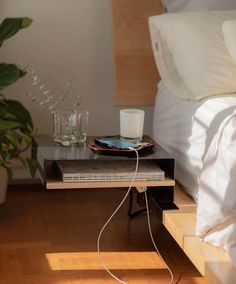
70,127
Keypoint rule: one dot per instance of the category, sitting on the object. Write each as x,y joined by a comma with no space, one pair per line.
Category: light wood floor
50,237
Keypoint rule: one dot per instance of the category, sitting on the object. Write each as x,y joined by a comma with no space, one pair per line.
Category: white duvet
202,138
216,208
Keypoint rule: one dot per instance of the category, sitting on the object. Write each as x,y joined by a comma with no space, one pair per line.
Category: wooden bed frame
212,262
136,75
136,79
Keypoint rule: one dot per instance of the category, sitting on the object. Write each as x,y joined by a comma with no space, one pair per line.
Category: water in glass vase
70,127
81,125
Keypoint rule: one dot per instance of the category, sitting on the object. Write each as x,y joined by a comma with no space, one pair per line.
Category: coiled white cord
149,226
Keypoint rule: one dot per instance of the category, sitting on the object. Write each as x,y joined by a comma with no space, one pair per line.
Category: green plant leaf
5,125
9,74
15,139
28,139
22,160
32,165
21,114
10,26
26,22
16,126
2,110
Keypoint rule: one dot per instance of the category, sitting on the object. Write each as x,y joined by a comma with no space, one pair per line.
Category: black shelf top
49,150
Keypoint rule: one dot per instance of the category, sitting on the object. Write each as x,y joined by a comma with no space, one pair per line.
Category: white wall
67,37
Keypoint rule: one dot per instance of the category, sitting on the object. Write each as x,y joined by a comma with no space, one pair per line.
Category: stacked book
108,170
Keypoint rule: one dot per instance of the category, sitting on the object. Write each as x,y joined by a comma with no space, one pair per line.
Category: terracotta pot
3,184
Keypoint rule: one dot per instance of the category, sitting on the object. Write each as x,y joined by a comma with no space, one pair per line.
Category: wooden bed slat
212,262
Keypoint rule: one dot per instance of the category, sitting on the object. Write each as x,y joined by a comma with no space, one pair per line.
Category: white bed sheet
201,135
185,129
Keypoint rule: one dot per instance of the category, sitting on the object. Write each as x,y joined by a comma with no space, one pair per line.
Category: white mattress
202,137
185,129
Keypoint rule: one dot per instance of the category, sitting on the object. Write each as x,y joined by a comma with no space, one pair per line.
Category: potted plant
16,126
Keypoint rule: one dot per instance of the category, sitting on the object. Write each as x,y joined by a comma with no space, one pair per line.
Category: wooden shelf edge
212,262
53,183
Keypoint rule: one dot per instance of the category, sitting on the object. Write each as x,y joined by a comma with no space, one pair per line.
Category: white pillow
229,32
191,55
198,5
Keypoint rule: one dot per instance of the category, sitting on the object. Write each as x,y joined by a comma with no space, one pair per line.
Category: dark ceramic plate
98,148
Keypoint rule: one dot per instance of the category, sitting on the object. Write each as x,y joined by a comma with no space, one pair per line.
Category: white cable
154,244
149,227
113,214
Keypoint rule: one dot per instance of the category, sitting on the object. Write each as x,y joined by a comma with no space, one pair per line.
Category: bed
185,135
195,112
191,141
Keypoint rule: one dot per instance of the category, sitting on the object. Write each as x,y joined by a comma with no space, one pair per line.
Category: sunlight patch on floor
115,260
